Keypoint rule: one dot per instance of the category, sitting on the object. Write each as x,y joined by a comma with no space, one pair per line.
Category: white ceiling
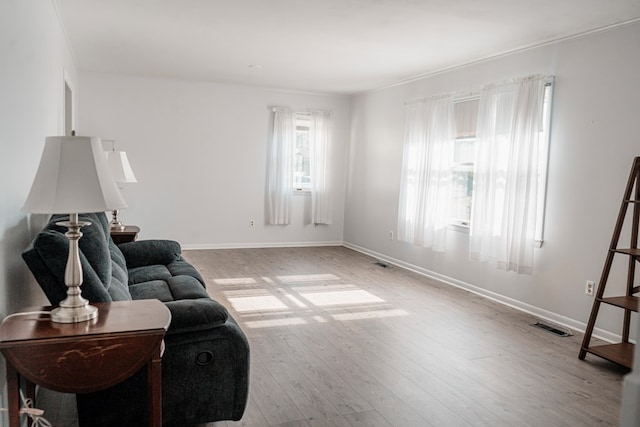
337,46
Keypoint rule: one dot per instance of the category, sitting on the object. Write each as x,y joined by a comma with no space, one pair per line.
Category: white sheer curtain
503,218
319,141
280,167
425,189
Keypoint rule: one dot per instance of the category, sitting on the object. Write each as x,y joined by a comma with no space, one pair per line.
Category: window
510,172
302,158
464,152
543,154
479,163
466,118
297,157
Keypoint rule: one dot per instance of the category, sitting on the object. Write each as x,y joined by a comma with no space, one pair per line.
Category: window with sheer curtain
424,208
462,168
510,173
298,160
478,162
280,167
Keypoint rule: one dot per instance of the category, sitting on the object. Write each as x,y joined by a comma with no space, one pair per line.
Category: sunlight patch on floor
295,300
307,278
371,314
270,323
235,281
263,305
322,299
245,292
323,288
257,303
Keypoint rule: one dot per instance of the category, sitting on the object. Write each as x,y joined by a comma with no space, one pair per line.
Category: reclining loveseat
205,365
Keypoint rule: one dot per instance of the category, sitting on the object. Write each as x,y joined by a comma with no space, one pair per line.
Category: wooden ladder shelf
620,353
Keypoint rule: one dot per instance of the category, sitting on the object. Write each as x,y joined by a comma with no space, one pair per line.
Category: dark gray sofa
205,366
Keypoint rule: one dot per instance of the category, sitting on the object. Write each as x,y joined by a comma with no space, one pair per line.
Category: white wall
199,153
593,142
33,55
35,59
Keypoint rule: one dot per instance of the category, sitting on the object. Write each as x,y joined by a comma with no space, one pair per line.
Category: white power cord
34,413
27,313
37,420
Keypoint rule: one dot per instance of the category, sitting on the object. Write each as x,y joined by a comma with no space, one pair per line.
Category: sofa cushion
104,278
181,267
186,287
119,286
150,252
195,315
152,289
148,273
167,289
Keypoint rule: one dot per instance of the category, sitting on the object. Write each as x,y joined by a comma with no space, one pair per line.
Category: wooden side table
88,356
128,234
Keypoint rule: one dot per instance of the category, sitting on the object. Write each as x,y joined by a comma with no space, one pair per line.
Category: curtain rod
469,95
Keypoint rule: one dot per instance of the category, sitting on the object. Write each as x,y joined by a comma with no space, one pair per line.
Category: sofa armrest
150,252
191,315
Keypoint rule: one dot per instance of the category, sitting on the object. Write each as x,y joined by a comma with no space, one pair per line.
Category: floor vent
381,264
553,329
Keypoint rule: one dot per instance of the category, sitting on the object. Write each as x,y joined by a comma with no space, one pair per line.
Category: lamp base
115,223
65,314
74,308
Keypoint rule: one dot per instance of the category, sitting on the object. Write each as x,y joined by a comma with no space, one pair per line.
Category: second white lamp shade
73,177
120,167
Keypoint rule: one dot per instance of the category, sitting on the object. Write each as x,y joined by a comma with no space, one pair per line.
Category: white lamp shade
120,167
73,177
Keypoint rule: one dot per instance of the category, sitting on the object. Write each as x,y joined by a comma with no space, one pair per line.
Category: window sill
302,192
465,229
459,228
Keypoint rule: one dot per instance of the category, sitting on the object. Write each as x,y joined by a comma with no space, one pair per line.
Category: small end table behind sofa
127,234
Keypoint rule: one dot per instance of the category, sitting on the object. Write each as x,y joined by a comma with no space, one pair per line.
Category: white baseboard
519,305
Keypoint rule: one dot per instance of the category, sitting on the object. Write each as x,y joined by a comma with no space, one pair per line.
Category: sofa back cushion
104,269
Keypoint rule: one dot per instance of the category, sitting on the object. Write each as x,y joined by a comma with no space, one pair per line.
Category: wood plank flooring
338,341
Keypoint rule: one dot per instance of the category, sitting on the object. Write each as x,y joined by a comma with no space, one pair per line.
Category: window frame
303,187
463,166
543,166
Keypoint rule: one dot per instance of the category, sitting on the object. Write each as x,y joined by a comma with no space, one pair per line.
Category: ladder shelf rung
627,302
635,252
621,353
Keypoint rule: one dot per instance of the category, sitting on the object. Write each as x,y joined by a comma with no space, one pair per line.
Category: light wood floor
338,341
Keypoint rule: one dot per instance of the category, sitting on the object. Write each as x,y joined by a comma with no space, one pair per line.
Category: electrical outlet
252,223
589,288
391,235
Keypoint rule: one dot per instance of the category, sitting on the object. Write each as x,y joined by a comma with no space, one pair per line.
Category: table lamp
73,177
123,174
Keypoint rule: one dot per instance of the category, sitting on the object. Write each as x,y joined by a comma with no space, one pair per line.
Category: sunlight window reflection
246,292
322,299
256,303
371,314
291,321
323,288
236,281
296,301
307,278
